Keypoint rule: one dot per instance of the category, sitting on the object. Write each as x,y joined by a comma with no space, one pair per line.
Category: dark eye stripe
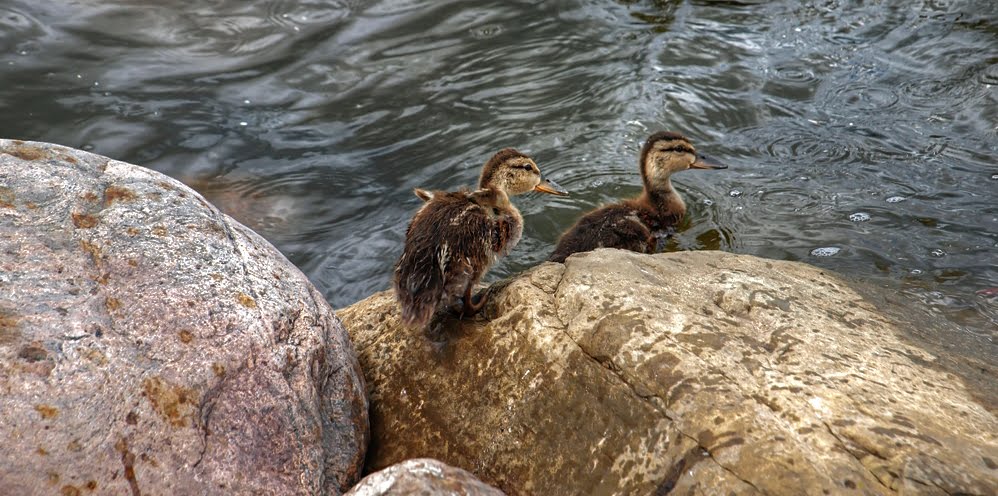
679,149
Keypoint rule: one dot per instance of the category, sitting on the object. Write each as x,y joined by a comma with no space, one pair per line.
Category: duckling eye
495,211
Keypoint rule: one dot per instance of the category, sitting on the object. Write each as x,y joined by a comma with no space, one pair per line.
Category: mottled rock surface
682,373
150,344
422,476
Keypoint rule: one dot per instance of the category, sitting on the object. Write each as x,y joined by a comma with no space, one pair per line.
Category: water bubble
708,201
486,31
247,102
896,199
859,217
243,123
87,147
916,272
994,177
938,253
826,251
734,193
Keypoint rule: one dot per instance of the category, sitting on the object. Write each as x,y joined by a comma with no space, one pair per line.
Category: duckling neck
508,222
667,207
508,229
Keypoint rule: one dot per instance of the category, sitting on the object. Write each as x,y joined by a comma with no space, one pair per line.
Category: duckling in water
632,224
455,236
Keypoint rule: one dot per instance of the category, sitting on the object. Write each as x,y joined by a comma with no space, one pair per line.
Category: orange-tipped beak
550,187
705,162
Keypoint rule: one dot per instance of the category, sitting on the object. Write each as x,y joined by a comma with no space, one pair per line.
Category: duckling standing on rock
455,236
632,224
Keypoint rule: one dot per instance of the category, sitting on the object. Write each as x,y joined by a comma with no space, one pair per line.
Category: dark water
312,121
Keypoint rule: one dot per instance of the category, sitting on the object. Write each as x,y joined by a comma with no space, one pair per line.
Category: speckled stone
681,373
422,477
151,345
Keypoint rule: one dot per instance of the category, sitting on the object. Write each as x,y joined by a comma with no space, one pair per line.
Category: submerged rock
150,344
422,476
695,372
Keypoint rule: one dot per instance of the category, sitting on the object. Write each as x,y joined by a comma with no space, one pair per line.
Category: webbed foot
471,306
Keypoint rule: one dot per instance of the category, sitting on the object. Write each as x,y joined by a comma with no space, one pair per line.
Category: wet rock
151,345
422,476
682,373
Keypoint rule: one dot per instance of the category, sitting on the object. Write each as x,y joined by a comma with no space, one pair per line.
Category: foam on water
826,251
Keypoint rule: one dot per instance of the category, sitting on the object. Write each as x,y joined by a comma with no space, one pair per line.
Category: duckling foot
472,307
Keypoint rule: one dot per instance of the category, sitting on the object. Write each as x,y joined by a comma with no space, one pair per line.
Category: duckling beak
550,187
705,162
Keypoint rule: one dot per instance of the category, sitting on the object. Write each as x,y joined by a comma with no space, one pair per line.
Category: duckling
632,224
456,236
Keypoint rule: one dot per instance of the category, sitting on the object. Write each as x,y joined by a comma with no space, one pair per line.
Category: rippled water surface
862,136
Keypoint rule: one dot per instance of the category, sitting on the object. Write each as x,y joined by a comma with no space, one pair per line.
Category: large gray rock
149,344
697,372
422,476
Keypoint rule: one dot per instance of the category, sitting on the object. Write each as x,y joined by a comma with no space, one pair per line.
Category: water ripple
312,121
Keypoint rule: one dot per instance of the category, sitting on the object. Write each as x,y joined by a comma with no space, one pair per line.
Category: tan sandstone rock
682,373
151,345
422,476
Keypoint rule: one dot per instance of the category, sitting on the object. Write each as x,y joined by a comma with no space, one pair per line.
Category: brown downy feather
629,224
451,242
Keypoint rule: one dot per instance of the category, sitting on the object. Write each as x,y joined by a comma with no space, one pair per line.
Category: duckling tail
417,289
417,307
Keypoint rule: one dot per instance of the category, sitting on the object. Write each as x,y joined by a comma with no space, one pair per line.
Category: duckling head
667,152
515,173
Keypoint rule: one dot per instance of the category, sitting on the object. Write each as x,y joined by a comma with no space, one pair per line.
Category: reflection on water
864,131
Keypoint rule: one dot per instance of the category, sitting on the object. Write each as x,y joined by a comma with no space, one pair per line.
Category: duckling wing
613,226
475,236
